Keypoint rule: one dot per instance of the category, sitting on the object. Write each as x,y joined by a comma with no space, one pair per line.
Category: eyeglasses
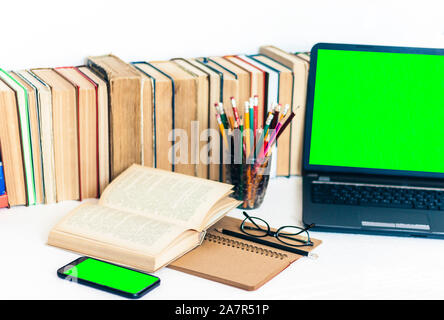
285,234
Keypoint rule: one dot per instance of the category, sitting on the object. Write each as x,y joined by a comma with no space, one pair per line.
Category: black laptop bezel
309,168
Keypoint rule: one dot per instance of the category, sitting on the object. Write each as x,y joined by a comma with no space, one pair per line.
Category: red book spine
4,201
96,88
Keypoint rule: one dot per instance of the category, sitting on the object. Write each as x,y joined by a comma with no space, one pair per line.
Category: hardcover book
145,219
125,113
158,123
16,112
285,96
34,126
300,68
66,153
102,126
87,131
215,94
44,98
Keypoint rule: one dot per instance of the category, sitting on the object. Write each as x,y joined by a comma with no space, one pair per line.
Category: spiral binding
244,246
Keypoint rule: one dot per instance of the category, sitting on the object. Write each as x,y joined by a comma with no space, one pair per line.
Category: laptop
373,158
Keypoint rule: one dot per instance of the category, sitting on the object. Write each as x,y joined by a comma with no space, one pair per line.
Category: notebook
235,262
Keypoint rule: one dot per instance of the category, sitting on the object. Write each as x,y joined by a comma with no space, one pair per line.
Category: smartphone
109,277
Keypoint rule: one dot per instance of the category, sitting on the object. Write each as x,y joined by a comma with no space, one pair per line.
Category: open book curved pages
145,219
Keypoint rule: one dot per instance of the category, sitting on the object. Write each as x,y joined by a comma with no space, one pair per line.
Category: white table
349,266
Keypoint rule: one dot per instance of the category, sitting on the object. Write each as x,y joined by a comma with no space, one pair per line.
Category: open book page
120,228
219,210
171,197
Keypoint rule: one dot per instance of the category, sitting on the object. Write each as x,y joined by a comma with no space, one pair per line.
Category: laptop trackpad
389,219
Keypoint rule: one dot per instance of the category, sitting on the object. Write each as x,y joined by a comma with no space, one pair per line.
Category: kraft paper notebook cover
233,261
300,69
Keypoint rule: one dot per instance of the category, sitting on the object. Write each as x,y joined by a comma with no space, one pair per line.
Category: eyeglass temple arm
252,221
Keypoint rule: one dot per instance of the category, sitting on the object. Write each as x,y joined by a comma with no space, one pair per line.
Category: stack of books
66,132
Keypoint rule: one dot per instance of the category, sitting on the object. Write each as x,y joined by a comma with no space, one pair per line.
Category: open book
145,218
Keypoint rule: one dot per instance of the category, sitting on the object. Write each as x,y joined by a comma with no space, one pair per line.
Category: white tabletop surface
349,266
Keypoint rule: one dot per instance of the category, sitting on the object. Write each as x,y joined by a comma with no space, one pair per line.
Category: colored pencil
255,117
283,114
221,128
253,136
247,129
235,112
223,116
286,123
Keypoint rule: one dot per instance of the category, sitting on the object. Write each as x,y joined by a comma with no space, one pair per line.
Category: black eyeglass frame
276,234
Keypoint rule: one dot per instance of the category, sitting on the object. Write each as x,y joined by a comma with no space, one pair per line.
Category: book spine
3,196
2,180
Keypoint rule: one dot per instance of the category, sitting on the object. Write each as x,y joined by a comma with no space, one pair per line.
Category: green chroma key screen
378,110
110,275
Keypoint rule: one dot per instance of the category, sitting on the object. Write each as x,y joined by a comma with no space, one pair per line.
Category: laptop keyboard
378,196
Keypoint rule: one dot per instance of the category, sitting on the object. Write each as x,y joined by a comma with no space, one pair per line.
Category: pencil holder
250,182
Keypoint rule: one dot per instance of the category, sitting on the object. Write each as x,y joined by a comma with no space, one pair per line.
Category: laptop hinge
323,178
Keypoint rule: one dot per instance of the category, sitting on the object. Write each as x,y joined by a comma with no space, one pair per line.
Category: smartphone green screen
111,275
378,110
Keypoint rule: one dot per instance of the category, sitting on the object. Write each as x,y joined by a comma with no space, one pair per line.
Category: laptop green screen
378,110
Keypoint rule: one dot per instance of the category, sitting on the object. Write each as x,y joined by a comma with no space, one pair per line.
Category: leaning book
145,219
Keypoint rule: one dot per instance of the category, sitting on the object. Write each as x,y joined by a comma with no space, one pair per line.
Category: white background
59,33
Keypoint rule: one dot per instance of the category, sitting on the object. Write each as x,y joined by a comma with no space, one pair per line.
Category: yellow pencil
247,129
222,128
